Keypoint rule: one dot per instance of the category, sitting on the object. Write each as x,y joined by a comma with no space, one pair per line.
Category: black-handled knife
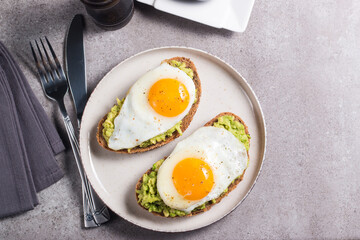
95,211
75,64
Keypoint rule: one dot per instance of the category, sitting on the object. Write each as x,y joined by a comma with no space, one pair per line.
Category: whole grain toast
184,124
231,187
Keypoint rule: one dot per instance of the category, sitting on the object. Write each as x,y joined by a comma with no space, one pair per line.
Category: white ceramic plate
228,14
114,176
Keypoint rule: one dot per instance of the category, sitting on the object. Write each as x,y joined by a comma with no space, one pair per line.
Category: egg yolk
168,97
193,178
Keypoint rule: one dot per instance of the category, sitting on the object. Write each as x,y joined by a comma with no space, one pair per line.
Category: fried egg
153,105
200,168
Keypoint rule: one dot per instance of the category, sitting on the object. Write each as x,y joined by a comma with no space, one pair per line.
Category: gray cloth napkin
28,142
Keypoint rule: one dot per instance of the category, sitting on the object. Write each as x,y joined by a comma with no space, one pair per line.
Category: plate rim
262,123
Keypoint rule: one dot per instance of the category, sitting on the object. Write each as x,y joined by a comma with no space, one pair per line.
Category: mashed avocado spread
182,66
162,137
148,195
235,127
108,124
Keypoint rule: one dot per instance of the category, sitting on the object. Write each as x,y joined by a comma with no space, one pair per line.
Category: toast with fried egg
206,206
185,122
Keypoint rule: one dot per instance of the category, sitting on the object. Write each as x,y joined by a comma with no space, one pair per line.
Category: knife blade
95,211
75,64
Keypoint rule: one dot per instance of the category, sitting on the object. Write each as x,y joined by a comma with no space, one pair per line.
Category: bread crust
231,187
185,121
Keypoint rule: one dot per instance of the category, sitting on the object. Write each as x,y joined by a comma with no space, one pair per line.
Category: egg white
219,148
137,120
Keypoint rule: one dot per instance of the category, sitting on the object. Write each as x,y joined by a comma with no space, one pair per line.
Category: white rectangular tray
228,14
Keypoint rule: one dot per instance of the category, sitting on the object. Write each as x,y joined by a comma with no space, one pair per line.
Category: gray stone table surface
302,59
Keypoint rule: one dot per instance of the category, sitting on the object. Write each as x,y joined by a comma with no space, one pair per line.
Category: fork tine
46,54
58,65
52,66
39,68
47,68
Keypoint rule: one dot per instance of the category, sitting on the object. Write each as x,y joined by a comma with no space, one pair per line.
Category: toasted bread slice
184,124
231,187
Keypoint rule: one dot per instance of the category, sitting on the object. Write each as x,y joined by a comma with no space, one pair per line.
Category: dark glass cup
110,14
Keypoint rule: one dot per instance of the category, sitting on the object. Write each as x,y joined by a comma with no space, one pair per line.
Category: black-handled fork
55,86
